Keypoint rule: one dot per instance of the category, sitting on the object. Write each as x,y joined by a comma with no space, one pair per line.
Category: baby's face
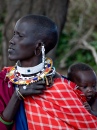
86,80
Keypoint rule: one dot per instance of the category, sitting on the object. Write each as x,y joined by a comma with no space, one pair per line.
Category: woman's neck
29,63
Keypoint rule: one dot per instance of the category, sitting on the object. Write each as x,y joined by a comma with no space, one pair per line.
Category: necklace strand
17,78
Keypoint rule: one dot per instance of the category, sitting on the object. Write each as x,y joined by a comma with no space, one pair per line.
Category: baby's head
84,76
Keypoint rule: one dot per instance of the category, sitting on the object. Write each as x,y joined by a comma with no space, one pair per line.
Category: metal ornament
43,54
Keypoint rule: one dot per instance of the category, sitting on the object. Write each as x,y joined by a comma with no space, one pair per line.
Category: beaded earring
43,53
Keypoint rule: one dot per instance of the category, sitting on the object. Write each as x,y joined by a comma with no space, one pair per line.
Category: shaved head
44,29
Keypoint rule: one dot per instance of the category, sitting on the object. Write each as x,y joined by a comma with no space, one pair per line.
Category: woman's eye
17,34
20,35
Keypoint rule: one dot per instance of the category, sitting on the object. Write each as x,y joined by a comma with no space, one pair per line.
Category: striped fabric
58,109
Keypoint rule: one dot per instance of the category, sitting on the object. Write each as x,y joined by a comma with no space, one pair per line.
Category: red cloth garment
58,109
79,93
6,91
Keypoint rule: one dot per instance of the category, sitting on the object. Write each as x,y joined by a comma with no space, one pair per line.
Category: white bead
24,87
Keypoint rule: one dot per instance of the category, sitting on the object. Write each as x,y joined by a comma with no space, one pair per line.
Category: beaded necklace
17,78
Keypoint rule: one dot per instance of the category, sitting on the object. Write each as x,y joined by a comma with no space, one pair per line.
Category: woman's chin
12,58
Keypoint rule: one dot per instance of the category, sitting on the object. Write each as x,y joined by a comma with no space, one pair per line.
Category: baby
85,78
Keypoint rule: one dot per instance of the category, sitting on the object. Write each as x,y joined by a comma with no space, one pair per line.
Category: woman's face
22,44
86,80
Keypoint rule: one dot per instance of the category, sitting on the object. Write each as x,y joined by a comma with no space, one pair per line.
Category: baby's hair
46,29
80,66
77,67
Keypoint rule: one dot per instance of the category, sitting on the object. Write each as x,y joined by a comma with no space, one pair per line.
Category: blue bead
28,70
35,78
15,80
49,65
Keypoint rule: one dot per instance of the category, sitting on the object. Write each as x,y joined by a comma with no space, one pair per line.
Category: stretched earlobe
37,52
40,49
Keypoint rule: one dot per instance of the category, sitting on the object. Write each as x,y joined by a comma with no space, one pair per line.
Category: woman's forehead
24,26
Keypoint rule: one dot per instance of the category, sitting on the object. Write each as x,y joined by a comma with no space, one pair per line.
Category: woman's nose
12,41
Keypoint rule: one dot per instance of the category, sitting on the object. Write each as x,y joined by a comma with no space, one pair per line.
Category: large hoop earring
43,53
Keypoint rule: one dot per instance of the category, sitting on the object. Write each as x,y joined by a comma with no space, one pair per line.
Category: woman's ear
38,48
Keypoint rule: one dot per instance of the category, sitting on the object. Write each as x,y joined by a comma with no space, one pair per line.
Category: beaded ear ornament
17,78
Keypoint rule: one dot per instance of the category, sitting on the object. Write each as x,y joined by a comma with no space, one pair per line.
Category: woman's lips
10,49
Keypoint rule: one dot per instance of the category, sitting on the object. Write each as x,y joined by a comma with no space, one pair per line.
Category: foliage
80,19
80,55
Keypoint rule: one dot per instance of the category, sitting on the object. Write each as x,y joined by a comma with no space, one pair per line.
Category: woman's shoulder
4,72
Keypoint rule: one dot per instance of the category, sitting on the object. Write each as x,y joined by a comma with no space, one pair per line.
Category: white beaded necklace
30,70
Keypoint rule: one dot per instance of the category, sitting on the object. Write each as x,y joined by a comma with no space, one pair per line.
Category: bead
24,87
28,70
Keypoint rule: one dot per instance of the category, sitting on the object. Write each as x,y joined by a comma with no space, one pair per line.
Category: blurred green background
78,41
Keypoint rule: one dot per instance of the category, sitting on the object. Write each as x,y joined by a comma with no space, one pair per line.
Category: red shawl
58,109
